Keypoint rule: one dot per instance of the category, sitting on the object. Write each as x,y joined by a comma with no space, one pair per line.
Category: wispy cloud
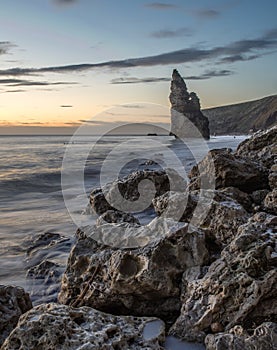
132,106
204,76
169,33
64,2
5,47
73,123
133,80
98,122
207,13
161,6
210,74
245,48
21,82
236,58
12,91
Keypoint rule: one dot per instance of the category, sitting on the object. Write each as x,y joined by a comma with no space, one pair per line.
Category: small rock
270,202
14,302
272,178
258,196
264,338
116,216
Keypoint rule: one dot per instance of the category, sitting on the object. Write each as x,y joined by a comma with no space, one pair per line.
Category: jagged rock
270,202
186,200
143,281
223,218
221,169
42,241
262,146
223,214
139,186
239,288
264,338
272,177
14,302
185,111
258,196
43,275
44,281
53,326
116,216
244,199
47,270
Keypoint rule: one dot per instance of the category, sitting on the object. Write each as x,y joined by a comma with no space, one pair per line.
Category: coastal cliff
242,118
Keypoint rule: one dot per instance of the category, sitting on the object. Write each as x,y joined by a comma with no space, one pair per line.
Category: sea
45,182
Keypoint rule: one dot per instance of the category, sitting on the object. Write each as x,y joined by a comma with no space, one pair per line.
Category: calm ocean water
31,198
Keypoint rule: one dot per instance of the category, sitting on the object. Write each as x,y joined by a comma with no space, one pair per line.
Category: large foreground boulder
262,146
240,288
264,338
221,168
53,326
142,281
14,302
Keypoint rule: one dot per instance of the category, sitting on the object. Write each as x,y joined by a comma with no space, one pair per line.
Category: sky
67,62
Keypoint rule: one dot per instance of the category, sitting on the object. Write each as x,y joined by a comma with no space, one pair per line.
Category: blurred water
31,200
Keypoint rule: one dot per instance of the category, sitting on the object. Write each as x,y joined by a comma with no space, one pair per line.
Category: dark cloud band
237,50
207,75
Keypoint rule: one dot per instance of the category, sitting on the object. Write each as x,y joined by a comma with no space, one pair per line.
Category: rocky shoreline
211,281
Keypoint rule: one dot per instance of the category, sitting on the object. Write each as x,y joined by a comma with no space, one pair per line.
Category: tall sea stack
185,109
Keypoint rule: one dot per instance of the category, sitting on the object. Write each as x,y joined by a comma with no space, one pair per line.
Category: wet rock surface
43,269
143,281
264,338
14,302
53,326
185,111
44,281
